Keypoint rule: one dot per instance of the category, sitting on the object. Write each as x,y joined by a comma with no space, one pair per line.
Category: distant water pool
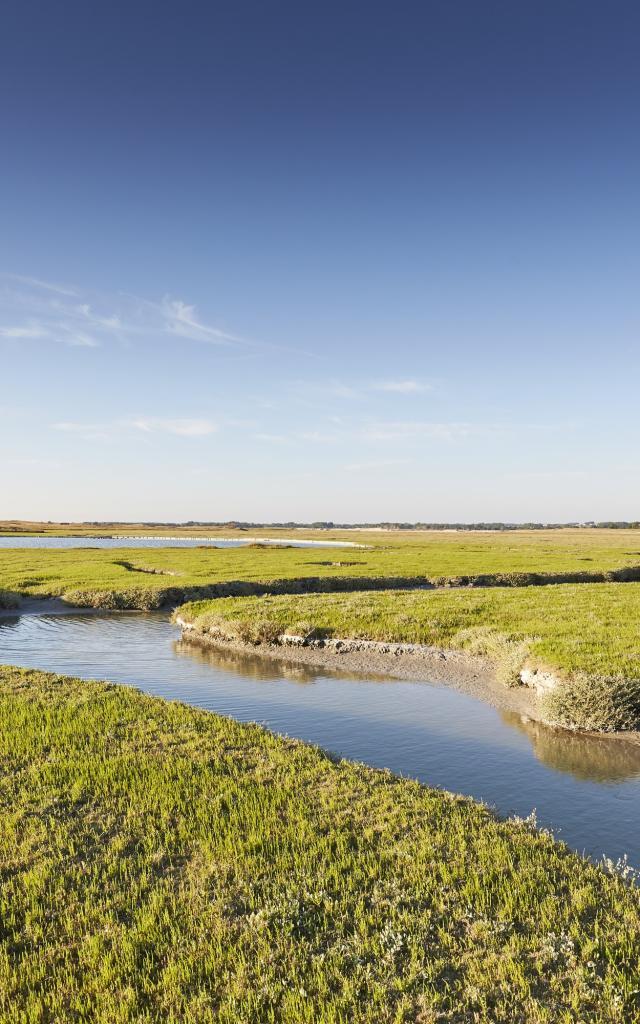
18,541
587,789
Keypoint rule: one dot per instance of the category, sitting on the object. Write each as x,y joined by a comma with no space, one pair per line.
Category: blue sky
342,261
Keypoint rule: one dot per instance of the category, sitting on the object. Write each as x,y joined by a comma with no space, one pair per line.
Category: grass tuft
509,655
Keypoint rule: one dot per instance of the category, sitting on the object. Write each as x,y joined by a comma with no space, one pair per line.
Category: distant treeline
22,527
328,525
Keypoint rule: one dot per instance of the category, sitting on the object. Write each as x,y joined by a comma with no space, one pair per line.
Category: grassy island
161,863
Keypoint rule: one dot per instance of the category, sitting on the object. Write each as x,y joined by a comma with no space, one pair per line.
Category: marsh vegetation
161,862
122,577
586,634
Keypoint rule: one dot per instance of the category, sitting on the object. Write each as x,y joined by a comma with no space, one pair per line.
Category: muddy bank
467,673
461,671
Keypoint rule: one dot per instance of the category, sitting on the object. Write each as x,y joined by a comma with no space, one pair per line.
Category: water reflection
584,756
588,757
260,668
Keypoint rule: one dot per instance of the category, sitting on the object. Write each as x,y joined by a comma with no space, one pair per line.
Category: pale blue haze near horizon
347,262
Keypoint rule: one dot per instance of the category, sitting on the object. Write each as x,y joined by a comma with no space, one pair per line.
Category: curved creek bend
586,789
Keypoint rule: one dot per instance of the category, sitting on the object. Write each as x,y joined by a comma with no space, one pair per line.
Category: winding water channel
586,789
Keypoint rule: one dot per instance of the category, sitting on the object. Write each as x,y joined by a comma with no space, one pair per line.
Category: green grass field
160,863
139,578
591,628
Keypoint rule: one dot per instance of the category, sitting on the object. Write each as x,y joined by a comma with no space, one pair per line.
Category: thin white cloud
272,438
65,333
344,391
375,464
31,309
401,387
316,393
182,319
72,428
85,314
36,282
79,339
87,431
403,431
318,437
179,427
24,331
147,425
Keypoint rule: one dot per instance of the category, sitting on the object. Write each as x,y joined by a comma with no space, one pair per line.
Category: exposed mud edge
468,673
461,671
539,680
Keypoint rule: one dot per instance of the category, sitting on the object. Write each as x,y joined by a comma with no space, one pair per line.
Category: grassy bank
588,634
150,577
164,864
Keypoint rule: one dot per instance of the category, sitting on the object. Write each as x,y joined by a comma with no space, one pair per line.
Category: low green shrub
595,703
137,598
254,631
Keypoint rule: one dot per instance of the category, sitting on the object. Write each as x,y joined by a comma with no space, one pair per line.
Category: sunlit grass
161,863
147,577
582,627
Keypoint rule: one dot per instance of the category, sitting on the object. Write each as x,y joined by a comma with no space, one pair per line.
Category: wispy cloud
401,387
375,464
87,431
317,393
23,331
35,282
146,425
343,391
183,320
403,431
272,438
358,431
31,309
318,437
179,427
